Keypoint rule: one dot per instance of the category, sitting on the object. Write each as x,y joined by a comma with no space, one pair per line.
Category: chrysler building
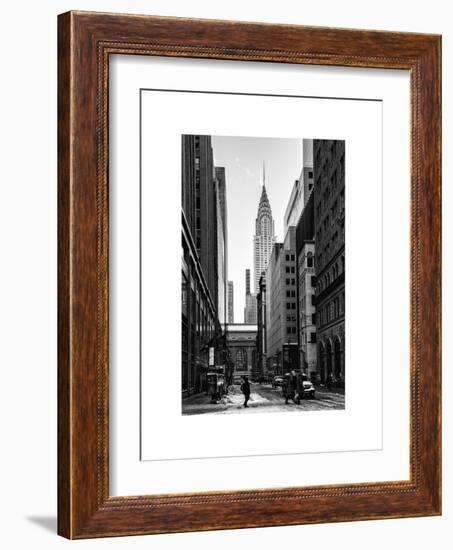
264,239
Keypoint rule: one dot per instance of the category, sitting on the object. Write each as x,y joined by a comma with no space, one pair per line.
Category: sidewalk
323,389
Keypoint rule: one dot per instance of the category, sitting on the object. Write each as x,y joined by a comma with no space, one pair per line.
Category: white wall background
28,122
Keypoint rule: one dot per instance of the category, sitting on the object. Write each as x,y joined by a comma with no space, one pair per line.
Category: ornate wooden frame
85,41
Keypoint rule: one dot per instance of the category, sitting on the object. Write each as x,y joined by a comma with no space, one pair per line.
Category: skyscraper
281,306
264,238
222,243
230,302
221,180
203,277
250,302
329,226
306,282
302,187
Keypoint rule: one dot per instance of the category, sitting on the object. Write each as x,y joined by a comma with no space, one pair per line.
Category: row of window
333,150
309,319
334,179
331,311
197,315
334,210
326,249
329,277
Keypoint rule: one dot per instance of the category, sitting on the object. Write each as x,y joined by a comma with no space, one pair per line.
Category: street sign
211,356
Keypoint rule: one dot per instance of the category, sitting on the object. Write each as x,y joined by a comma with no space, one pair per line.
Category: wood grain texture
85,42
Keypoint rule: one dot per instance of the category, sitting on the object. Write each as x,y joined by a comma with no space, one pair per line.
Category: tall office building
264,238
221,259
281,307
250,317
221,182
302,187
230,302
250,310
204,275
261,338
222,237
306,282
329,225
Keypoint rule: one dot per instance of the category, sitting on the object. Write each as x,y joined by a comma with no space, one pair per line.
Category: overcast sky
243,161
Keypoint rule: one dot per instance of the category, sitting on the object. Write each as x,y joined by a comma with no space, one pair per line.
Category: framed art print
249,275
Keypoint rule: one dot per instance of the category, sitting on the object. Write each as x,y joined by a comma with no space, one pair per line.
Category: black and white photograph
263,274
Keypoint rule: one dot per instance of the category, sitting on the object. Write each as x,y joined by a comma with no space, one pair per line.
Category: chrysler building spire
264,238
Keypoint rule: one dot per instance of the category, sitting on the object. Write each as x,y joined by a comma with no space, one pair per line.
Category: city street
278,306
263,398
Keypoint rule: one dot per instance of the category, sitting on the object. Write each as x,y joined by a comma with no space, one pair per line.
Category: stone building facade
329,205
241,342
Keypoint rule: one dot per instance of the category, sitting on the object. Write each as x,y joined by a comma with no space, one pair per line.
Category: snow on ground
263,398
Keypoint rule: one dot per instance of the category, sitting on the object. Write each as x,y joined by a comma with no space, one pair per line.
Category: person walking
245,388
291,387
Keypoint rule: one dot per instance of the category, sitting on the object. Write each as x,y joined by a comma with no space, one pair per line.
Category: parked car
277,381
308,390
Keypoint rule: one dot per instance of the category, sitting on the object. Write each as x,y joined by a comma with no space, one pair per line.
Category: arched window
309,259
241,359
